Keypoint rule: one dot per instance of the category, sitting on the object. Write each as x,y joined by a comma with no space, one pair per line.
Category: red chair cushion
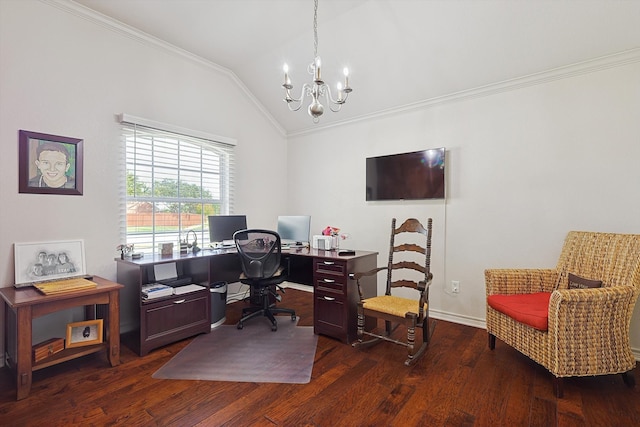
530,309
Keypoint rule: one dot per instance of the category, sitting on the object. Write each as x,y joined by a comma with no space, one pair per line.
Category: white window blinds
174,181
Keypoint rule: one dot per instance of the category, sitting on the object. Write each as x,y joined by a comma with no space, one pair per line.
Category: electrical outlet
455,286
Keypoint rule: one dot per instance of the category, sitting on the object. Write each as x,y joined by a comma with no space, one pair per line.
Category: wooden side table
25,304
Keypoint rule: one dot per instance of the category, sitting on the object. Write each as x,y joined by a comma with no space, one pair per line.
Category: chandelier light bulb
318,64
287,81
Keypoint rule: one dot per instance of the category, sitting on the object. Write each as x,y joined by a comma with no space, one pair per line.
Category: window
173,183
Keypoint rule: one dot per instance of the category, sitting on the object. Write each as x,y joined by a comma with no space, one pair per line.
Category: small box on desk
47,349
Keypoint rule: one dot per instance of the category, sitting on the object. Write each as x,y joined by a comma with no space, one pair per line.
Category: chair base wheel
240,325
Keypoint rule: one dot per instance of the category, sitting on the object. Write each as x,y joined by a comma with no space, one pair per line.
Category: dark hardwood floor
459,382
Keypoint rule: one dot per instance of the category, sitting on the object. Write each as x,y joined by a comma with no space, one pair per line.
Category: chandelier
318,88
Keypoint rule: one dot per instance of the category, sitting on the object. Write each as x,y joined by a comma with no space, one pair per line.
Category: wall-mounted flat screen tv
406,176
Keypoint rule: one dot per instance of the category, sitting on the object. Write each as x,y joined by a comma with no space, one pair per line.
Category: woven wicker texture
393,305
588,330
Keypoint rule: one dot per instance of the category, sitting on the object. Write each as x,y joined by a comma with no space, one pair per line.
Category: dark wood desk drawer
330,284
334,268
330,317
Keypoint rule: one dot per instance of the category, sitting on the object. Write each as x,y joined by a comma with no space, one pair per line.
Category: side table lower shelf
69,354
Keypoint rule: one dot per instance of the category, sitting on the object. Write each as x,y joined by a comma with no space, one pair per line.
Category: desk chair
260,252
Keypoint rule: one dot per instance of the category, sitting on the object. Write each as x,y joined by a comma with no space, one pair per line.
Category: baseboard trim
457,318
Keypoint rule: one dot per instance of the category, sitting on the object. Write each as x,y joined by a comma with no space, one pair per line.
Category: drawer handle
329,298
180,301
328,262
328,280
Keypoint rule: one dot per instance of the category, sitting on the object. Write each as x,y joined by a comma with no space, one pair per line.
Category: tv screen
222,227
407,176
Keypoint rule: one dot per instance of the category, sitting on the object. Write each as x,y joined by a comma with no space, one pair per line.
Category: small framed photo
49,164
84,333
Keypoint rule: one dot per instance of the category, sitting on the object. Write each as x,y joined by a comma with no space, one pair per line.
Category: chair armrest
595,320
358,276
519,281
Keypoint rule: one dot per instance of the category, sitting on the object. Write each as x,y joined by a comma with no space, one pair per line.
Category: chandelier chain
315,29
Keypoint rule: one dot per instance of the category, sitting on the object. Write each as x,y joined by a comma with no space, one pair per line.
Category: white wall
62,74
523,168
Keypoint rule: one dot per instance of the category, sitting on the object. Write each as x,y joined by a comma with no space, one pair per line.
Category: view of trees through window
173,184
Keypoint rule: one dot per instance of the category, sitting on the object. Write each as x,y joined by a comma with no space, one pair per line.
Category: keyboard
65,285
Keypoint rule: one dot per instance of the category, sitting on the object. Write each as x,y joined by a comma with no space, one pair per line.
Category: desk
25,304
335,295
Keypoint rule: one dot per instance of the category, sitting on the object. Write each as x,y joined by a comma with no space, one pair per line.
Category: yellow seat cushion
389,304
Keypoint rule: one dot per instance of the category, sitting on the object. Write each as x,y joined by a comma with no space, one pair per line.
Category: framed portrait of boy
49,164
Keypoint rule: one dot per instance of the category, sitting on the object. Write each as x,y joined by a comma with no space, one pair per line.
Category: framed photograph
37,262
84,333
49,164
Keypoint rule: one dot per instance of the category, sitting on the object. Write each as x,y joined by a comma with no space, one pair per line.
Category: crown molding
130,32
585,67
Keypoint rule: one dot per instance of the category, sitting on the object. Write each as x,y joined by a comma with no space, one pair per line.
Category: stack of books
156,290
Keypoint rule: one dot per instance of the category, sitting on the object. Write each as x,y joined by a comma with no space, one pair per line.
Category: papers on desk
186,289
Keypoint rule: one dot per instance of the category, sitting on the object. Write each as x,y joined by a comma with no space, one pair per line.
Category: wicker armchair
588,329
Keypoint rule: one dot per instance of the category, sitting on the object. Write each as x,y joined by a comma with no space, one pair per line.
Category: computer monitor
294,229
222,227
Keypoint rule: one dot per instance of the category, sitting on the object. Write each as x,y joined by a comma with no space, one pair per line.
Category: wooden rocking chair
396,310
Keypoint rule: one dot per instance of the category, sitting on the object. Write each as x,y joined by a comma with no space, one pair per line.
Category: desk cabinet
169,319
336,296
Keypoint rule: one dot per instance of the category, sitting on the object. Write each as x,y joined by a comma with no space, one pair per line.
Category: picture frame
39,261
80,334
49,164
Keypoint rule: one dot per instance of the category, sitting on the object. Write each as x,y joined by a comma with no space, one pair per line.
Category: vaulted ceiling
401,53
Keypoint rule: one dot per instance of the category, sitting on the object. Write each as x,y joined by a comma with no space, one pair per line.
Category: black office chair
259,252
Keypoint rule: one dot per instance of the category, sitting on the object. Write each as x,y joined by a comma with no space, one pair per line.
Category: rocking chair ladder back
396,310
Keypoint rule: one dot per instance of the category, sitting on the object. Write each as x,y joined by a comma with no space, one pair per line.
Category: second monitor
294,229
222,227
